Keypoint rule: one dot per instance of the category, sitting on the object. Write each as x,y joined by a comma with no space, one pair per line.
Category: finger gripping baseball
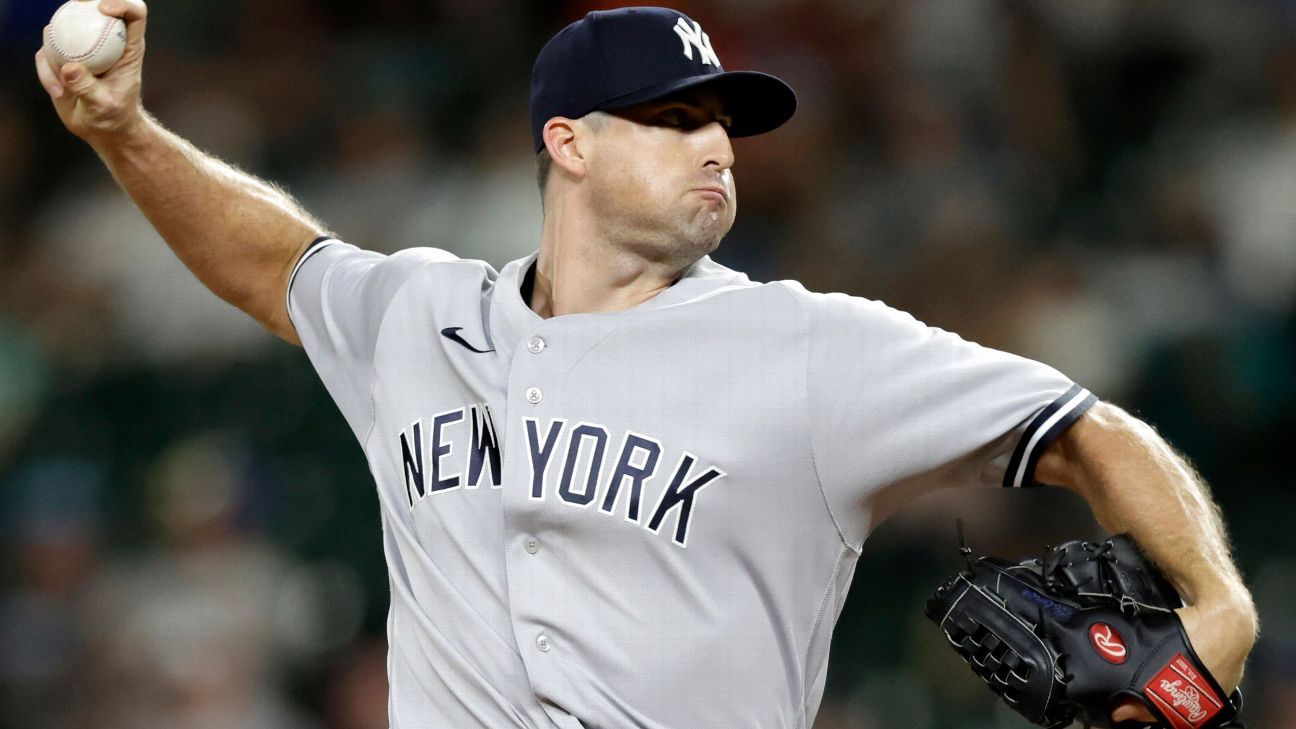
1068,636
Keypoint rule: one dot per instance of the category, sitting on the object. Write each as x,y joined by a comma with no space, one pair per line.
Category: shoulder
790,301
330,257
709,280
334,279
839,309
715,292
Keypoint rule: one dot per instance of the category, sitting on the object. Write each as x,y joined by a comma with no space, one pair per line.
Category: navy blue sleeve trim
1043,430
316,246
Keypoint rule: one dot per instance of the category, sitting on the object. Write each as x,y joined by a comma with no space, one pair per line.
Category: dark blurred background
188,532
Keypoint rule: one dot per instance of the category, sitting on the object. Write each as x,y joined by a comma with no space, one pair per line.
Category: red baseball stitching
99,44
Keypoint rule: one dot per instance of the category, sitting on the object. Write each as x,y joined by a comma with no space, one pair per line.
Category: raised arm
1136,483
239,235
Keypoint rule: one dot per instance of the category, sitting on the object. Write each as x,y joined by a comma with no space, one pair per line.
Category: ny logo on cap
693,37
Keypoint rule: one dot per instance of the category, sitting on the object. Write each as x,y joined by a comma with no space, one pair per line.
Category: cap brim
757,102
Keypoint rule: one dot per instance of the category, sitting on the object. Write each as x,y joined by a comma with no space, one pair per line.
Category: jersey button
531,545
536,345
543,644
533,395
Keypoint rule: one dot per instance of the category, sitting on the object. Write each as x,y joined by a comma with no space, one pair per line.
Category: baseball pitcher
622,485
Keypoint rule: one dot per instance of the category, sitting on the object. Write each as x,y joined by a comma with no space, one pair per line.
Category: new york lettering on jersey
567,463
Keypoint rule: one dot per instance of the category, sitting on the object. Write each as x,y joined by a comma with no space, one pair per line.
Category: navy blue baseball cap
612,59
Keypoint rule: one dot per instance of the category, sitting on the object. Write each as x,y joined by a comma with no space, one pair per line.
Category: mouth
715,192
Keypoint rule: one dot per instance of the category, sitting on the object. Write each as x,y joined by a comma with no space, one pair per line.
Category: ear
563,137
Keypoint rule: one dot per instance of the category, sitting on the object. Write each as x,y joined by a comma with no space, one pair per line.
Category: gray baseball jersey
647,518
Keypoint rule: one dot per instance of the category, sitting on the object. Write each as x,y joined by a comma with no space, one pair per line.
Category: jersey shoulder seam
809,416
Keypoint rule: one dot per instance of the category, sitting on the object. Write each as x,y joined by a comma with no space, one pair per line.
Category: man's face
660,177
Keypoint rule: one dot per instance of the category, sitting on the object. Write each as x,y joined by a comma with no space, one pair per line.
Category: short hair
544,163
595,120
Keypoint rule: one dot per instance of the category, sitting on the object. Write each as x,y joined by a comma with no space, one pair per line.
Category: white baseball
79,32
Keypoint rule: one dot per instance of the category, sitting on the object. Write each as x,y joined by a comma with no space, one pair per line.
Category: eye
672,118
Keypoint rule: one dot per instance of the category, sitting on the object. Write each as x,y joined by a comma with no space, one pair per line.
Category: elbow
263,294
264,301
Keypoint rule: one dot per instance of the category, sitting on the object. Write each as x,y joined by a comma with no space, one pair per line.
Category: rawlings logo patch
1183,695
1109,644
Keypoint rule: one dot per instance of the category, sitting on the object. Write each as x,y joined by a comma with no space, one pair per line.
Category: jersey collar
700,279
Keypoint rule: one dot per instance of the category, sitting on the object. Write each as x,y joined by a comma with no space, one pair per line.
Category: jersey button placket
535,371
535,345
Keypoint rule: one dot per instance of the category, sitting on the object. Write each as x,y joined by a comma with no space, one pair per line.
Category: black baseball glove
1066,637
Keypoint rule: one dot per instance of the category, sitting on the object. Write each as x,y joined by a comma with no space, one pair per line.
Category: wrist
135,133
1237,611
1232,618
1222,637
1224,596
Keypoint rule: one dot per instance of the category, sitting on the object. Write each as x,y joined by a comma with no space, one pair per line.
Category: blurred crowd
188,535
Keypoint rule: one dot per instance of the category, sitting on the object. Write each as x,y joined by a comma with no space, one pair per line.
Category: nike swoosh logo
452,333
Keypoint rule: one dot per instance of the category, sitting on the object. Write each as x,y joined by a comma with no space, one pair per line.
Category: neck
580,270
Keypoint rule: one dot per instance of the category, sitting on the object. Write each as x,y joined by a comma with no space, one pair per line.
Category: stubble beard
677,237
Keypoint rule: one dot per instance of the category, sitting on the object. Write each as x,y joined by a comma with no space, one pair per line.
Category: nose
716,148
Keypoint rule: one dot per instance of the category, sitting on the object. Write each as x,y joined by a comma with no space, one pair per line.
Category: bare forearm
239,235
1136,483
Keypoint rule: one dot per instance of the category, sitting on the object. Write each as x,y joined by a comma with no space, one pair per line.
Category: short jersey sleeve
337,299
897,408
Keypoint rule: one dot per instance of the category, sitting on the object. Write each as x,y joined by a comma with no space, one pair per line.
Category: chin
709,237
710,245
686,241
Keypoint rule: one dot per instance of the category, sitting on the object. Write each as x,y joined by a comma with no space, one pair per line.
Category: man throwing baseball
620,484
